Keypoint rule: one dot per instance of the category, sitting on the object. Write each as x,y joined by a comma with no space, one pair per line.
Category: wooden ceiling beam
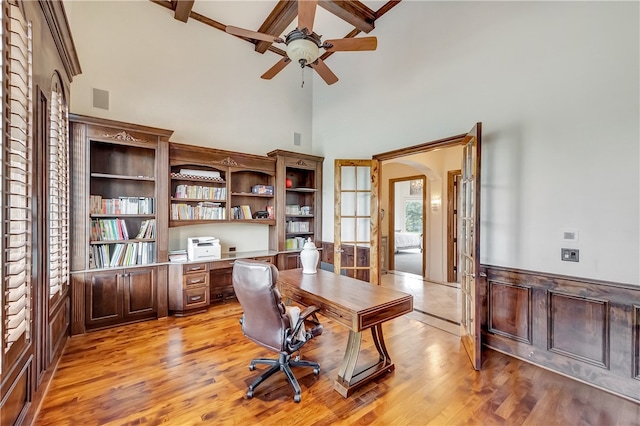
183,9
353,12
278,20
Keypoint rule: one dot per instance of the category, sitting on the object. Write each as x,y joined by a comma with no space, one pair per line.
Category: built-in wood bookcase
241,185
119,227
298,205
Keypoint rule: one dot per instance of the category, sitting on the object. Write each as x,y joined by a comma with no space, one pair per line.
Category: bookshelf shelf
122,177
298,207
225,178
119,209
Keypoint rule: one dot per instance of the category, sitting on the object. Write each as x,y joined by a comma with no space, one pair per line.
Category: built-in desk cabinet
188,288
195,285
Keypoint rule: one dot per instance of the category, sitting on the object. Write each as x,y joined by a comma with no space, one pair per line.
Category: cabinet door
220,285
103,298
289,261
139,293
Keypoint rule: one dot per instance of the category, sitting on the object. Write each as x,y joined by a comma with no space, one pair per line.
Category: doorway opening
407,221
436,291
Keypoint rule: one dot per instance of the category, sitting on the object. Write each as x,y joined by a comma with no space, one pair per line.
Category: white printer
203,248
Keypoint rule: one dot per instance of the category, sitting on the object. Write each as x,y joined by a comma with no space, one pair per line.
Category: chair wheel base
250,394
297,398
252,367
316,371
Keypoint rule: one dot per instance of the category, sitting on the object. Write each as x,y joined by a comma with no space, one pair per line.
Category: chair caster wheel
252,367
250,394
297,398
316,371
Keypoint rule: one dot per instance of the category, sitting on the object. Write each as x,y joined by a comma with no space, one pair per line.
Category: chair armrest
309,311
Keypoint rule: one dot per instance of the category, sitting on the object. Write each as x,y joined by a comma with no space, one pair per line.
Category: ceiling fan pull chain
302,85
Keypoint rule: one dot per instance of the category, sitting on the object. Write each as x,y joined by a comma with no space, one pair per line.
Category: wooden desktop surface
356,304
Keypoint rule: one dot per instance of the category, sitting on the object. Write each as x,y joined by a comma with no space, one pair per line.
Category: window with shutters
58,197
16,175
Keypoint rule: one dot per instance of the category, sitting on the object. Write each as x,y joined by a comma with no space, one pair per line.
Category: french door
469,245
356,230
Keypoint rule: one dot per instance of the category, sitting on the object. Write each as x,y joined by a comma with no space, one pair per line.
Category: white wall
556,87
191,78
554,83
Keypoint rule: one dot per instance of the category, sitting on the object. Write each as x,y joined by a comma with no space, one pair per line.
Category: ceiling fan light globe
303,51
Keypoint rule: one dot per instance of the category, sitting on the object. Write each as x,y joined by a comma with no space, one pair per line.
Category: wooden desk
358,306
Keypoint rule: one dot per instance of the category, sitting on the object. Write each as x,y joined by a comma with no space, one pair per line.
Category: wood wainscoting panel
579,328
582,328
509,309
59,322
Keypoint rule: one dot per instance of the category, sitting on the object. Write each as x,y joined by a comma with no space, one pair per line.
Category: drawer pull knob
196,298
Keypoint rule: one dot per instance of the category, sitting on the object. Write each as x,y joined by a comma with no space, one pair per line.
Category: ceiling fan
303,45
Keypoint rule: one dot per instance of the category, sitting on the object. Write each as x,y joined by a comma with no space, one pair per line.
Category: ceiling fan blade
306,14
323,71
350,44
253,34
271,72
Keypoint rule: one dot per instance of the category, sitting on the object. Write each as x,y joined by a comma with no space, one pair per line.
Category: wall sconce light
435,203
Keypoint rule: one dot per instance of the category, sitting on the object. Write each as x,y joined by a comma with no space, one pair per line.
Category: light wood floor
194,370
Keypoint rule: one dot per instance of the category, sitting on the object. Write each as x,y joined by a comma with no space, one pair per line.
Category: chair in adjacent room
269,323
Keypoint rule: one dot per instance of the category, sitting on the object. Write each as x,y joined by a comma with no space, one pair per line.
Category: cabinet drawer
193,280
268,259
196,297
222,264
192,268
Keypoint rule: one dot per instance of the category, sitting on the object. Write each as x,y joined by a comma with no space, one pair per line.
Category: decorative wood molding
228,162
123,136
56,18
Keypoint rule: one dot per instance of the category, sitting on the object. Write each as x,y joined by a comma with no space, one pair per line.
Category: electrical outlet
570,255
232,249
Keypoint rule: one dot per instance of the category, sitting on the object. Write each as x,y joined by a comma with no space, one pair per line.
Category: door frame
456,140
453,179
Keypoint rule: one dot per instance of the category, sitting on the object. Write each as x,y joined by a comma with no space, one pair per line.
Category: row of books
241,212
302,226
294,243
122,254
121,205
116,229
203,211
201,192
108,230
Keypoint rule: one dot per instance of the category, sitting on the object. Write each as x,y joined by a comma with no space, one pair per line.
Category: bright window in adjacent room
413,215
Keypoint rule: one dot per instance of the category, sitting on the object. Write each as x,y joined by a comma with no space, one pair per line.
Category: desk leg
350,377
350,356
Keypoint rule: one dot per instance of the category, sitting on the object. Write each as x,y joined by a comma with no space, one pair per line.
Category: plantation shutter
16,175
58,194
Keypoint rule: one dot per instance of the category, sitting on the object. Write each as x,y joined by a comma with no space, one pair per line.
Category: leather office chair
266,322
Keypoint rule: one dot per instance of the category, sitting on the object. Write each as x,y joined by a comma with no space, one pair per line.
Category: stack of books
178,255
